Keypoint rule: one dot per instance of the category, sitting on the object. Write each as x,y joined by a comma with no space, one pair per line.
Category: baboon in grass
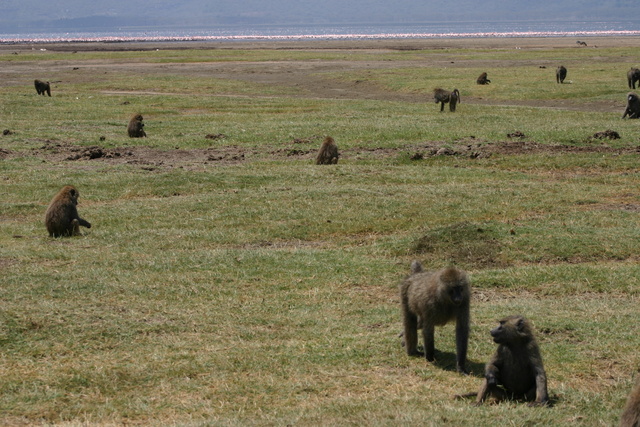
42,87
633,106
482,79
136,127
515,370
561,74
633,77
62,217
431,299
444,96
631,413
328,153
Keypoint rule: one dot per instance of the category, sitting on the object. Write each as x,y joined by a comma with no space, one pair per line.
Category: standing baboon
515,370
135,127
328,153
482,79
631,413
62,217
432,299
444,96
633,77
42,87
561,74
633,106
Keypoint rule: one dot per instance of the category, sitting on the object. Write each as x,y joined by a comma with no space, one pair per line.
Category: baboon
328,153
633,77
579,43
483,80
515,370
631,413
135,127
62,217
432,299
561,74
42,87
444,96
633,106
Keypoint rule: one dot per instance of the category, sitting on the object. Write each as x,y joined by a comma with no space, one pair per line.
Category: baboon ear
416,267
520,325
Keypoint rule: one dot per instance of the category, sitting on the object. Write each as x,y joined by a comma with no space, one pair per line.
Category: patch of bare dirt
301,148
146,157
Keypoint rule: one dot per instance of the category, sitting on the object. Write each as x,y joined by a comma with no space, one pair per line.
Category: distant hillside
29,15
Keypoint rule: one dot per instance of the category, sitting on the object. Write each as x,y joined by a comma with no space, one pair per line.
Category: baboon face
510,329
456,285
457,293
73,195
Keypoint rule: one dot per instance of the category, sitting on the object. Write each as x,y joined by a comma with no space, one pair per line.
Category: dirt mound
465,244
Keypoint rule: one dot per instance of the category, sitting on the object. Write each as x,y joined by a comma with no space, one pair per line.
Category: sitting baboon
42,87
328,153
482,79
515,370
631,413
633,77
444,96
62,217
136,126
561,74
431,299
633,106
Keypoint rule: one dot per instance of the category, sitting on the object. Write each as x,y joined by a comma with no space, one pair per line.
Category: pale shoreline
384,43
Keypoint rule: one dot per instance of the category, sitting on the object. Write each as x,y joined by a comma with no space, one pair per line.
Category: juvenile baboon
135,127
633,77
631,413
515,370
483,80
633,106
62,217
432,299
42,87
444,96
561,74
328,153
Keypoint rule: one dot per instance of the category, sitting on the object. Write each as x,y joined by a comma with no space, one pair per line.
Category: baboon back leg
428,338
483,393
411,333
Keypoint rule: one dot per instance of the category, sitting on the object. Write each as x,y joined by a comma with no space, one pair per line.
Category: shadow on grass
446,361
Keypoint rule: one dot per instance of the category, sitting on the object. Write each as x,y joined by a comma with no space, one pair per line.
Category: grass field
231,281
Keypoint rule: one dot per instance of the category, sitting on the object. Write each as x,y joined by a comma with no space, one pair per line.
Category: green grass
264,292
